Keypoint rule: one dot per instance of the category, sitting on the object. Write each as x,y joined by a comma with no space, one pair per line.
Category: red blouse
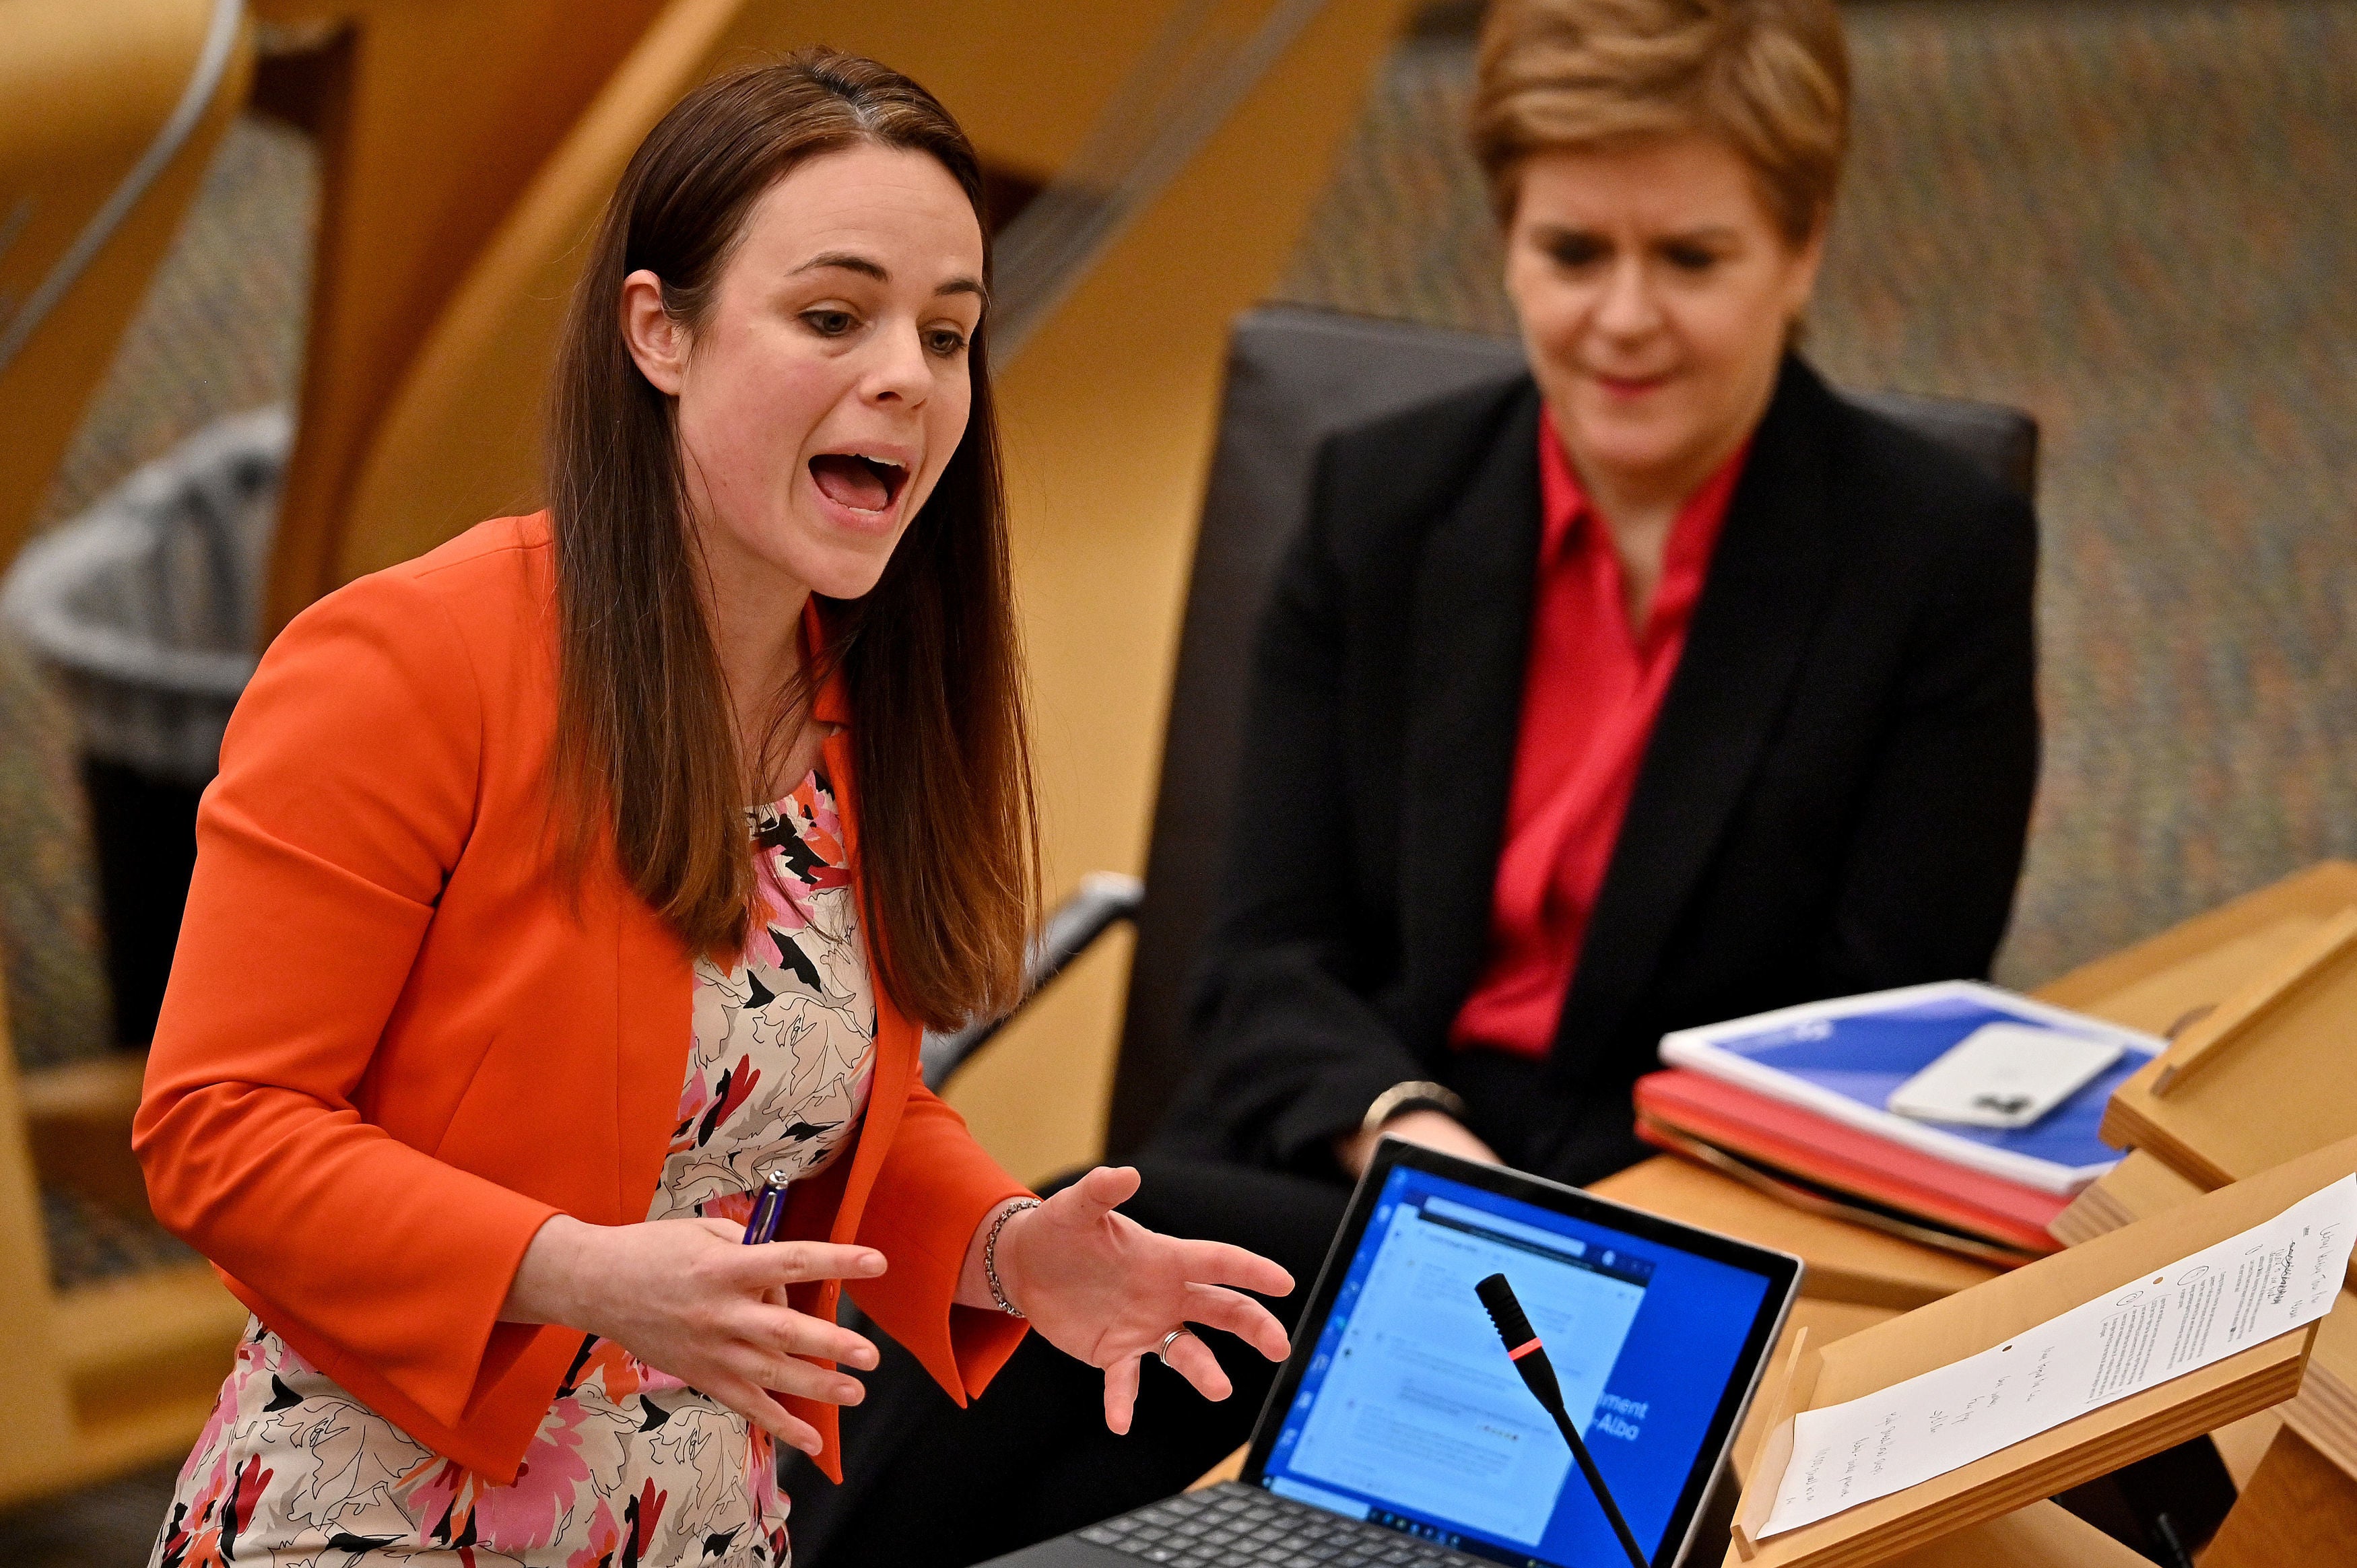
1591,695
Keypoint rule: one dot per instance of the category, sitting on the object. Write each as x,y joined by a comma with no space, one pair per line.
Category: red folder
1824,1151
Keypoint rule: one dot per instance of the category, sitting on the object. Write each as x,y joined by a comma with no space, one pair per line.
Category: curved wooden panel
432,117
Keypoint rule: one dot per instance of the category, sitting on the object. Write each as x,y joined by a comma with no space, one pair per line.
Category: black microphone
1529,1358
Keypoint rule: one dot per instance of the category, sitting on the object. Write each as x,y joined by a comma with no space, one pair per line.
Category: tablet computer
1399,1433
1399,1408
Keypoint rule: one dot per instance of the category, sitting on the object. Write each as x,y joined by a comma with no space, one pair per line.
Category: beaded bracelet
1402,1098
990,1254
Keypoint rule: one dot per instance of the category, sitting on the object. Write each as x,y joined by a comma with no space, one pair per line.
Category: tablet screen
1406,1412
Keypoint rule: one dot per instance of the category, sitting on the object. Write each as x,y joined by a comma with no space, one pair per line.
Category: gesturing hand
687,1297
1105,1290
1433,1129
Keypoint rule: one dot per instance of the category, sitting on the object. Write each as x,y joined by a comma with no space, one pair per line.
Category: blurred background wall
2126,216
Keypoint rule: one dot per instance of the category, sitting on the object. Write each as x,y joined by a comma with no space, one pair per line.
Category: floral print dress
629,1466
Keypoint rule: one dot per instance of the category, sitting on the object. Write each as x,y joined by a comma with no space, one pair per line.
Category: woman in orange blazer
495,1005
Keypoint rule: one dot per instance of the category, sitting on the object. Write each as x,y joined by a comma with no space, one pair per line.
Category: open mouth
858,481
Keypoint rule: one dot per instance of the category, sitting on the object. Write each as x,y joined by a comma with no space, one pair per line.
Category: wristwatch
1414,1095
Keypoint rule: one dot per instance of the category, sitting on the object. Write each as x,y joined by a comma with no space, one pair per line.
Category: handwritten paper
2273,1278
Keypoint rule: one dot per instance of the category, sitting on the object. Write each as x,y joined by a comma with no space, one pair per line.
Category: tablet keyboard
1236,1526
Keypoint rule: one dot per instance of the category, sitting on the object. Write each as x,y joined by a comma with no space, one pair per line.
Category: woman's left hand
1104,1289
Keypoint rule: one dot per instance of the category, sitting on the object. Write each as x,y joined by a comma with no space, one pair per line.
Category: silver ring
1162,1350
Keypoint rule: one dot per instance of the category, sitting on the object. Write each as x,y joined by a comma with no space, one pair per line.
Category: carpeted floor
222,328
2130,218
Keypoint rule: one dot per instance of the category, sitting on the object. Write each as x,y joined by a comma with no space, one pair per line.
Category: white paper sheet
2271,1279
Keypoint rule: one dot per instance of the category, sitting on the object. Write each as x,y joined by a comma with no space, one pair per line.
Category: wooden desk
2299,1507
1846,1263
2158,983
1858,1278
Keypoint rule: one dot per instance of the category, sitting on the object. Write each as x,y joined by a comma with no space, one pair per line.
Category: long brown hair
646,749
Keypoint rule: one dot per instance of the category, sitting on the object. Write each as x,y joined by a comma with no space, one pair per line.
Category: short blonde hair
1770,78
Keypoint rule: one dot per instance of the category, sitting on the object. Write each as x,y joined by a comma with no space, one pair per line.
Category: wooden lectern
2303,1494
2259,1077
2251,993
2078,1451
2259,1074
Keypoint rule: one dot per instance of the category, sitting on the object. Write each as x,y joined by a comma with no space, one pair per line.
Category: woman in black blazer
1832,799
1794,644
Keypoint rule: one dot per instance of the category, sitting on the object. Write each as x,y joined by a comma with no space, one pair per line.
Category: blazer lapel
1766,586
1469,628
895,1066
654,981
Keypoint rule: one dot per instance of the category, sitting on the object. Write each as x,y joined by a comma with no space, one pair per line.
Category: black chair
1295,377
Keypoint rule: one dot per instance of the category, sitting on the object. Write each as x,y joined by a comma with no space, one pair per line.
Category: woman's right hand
688,1298
1433,1129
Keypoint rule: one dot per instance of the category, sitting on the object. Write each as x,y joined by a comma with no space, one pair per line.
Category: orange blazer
394,1043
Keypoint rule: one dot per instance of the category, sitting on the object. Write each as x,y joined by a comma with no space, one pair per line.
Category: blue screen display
1409,1413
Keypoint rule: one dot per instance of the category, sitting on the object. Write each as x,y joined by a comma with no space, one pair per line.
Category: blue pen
769,1209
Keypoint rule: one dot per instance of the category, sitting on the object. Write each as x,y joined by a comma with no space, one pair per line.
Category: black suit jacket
1834,799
